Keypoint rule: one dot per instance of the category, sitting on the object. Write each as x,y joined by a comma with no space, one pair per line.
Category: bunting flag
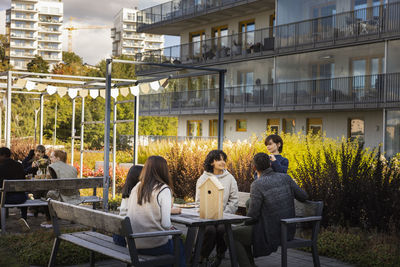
103,93
62,91
20,83
164,83
144,88
73,92
124,91
41,87
30,85
114,93
84,93
155,85
94,93
51,90
134,90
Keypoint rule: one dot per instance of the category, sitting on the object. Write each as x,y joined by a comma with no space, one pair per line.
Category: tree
38,64
71,57
4,65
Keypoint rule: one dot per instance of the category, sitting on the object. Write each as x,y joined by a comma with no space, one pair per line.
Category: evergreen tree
39,65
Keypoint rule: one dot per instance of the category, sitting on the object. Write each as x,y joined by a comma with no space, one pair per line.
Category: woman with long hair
149,208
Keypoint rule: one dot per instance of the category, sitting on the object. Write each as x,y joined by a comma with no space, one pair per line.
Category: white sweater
150,216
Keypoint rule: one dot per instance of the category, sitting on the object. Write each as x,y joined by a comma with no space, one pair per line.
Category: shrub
20,148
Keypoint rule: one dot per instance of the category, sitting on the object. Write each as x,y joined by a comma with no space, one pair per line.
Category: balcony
345,93
50,21
167,18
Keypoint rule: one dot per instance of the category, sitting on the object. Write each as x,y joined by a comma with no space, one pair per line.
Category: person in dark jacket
29,163
271,199
13,170
274,145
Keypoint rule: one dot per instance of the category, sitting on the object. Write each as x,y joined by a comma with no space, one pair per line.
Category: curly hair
213,155
261,162
276,139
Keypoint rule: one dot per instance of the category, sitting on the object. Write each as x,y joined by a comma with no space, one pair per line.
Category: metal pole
221,110
36,113
114,147
107,135
73,132
1,121
41,119
82,135
8,116
55,124
136,131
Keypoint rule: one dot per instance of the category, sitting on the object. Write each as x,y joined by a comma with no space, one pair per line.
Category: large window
197,39
289,126
314,125
247,29
356,130
194,128
273,125
392,134
366,71
213,128
220,35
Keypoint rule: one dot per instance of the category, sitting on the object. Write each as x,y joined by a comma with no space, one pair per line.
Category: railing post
221,109
107,135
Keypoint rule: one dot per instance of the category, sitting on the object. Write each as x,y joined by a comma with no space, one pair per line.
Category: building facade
294,66
127,41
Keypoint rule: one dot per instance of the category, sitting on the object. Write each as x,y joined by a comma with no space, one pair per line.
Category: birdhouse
211,199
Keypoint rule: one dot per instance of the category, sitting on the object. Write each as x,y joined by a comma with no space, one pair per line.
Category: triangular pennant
135,90
94,93
20,83
30,85
115,93
155,85
62,91
144,88
73,92
124,91
164,83
103,93
41,87
84,93
51,89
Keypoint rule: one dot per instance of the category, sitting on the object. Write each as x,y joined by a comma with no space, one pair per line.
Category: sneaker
24,225
46,225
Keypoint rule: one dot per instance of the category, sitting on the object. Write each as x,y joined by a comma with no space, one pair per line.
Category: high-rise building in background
33,27
126,41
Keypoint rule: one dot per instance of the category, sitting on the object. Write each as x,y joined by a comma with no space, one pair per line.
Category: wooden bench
101,243
46,184
306,212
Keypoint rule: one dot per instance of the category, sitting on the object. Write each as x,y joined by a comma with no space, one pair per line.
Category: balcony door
196,40
220,38
322,27
246,88
322,75
246,36
366,77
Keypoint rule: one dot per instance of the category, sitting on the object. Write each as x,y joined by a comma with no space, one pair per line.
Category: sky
95,44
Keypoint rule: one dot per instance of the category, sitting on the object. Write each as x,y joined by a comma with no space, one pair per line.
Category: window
326,11
361,13
366,72
196,39
194,128
356,130
247,29
314,125
289,125
273,125
220,35
241,125
213,128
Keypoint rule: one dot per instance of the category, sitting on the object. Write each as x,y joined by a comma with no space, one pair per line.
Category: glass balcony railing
364,25
179,8
337,93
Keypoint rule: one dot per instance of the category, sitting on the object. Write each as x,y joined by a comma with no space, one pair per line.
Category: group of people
55,167
147,199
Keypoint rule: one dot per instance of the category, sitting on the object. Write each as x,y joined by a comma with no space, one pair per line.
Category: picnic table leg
92,260
189,242
231,245
3,220
199,243
52,260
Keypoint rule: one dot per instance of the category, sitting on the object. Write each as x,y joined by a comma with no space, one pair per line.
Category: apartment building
127,41
33,27
294,66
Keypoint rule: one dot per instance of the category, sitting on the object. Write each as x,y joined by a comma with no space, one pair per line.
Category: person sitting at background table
149,208
13,170
215,165
30,163
60,169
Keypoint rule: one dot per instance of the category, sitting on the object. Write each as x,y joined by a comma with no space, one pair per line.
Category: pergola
83,86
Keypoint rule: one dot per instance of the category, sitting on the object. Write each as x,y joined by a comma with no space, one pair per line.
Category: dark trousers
213,236
167,248
18,198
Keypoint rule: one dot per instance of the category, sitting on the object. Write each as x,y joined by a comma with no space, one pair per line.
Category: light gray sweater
231,199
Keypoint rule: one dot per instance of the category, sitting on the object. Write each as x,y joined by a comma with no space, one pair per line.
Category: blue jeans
167,248
119,240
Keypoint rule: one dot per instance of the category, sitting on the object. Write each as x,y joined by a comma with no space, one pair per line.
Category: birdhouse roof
214,180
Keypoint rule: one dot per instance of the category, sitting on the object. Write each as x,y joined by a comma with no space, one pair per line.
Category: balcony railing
180,8
371,91
366,25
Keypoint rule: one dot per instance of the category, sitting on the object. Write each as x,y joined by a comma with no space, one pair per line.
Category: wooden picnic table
191,218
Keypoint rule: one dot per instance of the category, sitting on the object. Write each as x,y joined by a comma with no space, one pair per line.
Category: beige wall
335,124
